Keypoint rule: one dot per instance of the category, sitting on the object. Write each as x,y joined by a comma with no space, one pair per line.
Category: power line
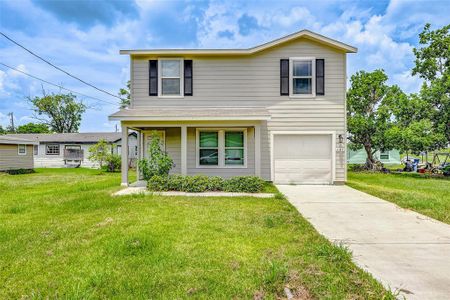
58,68
61,87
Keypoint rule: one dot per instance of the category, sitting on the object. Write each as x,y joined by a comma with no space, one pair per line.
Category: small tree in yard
99,152
368,113
158,161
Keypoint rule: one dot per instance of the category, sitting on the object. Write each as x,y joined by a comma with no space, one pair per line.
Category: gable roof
9,139
86,137
300,34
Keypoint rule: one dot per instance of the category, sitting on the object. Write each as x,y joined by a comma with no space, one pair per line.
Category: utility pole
11,117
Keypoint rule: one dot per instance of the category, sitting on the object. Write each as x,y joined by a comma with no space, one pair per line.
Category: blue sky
84,37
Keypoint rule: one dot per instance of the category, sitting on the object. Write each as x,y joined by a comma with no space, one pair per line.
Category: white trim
170,118
291,77
24,147
220,148
181,60
333,149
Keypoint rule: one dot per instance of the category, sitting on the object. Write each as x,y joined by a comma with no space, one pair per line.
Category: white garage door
302,159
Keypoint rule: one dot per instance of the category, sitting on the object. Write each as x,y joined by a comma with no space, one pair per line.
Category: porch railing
73,154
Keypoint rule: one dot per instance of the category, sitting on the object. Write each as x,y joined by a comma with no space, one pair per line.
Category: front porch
213,148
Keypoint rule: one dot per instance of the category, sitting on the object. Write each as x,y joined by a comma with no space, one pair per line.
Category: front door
148,140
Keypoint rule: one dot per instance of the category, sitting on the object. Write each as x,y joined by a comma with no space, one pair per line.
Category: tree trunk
370,162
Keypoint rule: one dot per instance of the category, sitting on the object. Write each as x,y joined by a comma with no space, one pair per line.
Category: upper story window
302,75
170,77
22,150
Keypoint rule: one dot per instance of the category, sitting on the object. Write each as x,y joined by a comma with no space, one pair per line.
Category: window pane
209,139
234,139
209,157
170,68
302,68
234,157
170,86
35,149
302,86
22,149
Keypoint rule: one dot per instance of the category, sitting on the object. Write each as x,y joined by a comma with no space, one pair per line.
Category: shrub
113,162
215,183
176,182
20,171
195,184
158,183
245,184
158,163
202,183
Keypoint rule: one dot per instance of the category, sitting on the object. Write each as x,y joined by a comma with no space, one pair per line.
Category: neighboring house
386,157
57,150
276,110
16,153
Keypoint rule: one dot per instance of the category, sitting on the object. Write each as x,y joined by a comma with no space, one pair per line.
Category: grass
428,196
63,236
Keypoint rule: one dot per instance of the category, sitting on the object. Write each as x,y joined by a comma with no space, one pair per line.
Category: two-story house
276,110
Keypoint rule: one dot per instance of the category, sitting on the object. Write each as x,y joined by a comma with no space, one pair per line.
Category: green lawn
428,196
63,236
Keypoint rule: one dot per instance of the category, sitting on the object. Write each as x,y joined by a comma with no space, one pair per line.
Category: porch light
341,139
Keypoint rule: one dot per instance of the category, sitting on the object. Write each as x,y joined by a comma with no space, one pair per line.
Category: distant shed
16,153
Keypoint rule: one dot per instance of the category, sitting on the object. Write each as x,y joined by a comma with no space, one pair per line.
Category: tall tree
433,65
33,128
60,112
368,112
125,95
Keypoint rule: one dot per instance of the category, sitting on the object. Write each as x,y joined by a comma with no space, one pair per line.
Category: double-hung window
52,150
208,148
302,74
170,77
22,150
221,148
234,148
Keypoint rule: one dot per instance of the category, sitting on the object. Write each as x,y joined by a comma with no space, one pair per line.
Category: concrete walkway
406,251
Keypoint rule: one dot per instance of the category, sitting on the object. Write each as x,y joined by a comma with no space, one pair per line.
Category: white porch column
138,154
258,150
183,149
124,156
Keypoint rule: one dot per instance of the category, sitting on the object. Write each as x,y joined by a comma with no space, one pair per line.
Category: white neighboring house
58,150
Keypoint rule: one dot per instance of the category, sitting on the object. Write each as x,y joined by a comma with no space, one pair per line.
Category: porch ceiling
191,114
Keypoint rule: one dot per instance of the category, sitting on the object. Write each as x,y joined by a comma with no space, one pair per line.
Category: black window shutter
320,76
153,78
284,77
188,78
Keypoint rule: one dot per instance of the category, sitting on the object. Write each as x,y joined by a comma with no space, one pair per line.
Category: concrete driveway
406,251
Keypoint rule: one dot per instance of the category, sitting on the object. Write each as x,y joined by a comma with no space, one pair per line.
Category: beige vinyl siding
173,147
11,160
253,81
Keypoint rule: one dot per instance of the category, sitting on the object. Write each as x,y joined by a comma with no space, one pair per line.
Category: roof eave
175,118
303,33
